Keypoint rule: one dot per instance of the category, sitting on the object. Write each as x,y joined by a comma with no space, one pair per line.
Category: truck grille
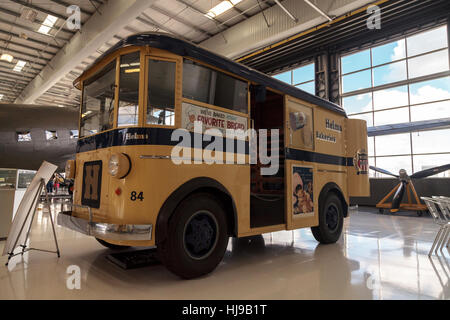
92,181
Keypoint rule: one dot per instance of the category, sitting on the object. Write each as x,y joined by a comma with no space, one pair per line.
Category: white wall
6,210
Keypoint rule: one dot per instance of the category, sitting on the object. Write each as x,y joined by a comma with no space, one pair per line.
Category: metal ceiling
398,17
19,37
47,78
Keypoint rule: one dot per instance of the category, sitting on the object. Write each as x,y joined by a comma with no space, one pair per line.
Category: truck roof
187,49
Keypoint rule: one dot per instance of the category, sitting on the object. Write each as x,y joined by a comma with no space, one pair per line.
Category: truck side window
161,92
214,87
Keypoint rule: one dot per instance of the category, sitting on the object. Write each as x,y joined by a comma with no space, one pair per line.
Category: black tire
110,245
331,220
381,211
197,237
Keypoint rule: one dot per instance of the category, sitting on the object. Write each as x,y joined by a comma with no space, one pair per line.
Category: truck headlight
119,165
70,169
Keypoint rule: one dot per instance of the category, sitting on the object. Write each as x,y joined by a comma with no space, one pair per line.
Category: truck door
299,173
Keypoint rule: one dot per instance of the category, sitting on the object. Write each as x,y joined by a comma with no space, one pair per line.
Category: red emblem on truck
361,162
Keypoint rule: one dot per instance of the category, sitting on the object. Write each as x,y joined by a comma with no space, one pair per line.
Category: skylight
221,8
47,24
19,66
7,57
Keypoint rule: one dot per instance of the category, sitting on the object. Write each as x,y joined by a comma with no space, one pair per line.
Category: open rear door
358,174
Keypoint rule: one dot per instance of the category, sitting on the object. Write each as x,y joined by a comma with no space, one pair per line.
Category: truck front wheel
331,220
197,237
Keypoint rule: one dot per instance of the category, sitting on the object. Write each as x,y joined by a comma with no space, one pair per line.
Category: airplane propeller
430,172
405,179
383,171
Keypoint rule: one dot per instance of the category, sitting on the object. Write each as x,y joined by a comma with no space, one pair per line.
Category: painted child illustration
302,199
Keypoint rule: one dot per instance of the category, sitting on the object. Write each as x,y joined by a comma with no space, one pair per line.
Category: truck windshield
97,111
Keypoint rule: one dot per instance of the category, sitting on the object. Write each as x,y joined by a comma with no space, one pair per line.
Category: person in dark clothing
50,186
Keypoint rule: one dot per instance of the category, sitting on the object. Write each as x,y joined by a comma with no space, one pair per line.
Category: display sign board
302,191
210,118
22,220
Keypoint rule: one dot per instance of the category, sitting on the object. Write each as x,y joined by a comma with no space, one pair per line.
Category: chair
445,201
441,218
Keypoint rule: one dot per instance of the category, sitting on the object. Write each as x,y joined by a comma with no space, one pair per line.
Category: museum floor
378,257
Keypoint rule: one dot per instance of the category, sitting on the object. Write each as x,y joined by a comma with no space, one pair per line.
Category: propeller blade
383,171
398,197
430,172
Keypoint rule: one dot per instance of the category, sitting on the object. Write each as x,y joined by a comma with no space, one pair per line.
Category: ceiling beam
217,21
53,101
152,23
7,93
10,88
10,70
29,29
26,54
28,4
18,15
99,28
11,65
66,4
317,9
39,42
182,21
10,76
240,43
289,14
10,91
21,45
28,61
8,82
242,13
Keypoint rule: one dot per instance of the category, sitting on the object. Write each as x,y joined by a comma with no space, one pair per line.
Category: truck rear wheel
197,237
331,220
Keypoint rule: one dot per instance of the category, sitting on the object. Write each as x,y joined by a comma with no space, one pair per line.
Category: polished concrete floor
377,257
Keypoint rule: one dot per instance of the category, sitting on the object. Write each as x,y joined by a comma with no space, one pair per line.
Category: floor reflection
378,257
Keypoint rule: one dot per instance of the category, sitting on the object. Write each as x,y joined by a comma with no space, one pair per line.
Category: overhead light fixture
47,25
28,14
86,113
7,57
221,8
19,66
